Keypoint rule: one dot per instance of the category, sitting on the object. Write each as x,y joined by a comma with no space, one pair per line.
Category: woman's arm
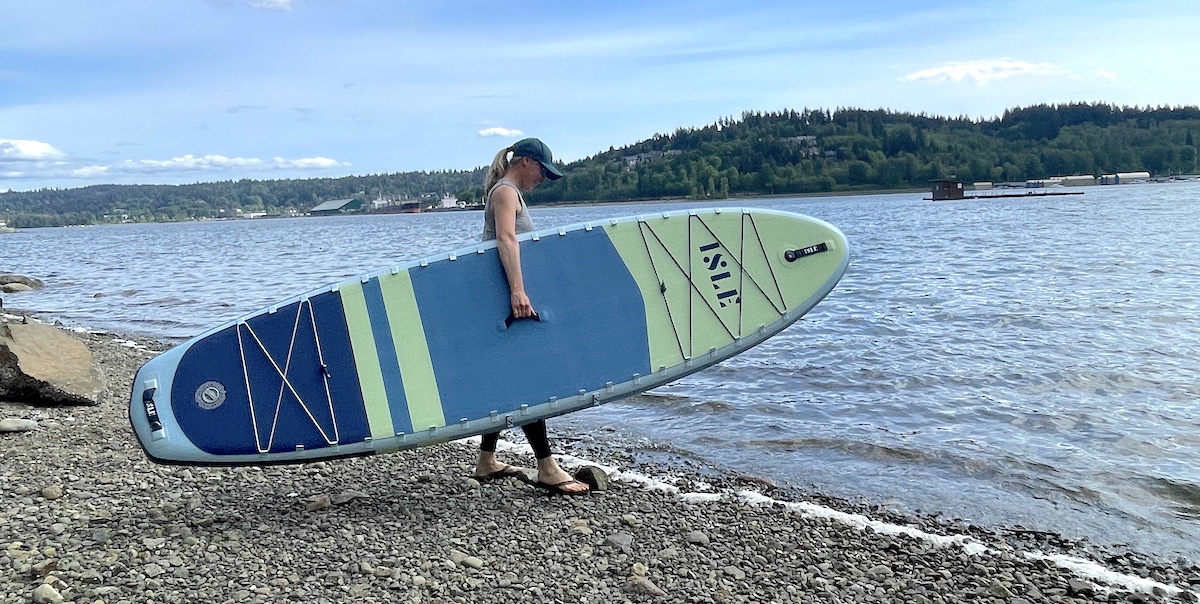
505,204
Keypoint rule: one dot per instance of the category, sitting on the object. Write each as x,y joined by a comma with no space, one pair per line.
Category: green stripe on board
664,338
366,360
412,351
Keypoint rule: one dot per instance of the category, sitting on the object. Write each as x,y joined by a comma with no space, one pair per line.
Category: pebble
621,541
46,594
86,518
17,425
642,586
318,502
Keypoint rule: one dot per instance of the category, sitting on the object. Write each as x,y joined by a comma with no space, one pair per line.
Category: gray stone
1000,590
46,594
643,586
52,492
28,282
347,496
881,571
17,425
317,502
594,477
15,288
44,365
696,538
1080,588
621,541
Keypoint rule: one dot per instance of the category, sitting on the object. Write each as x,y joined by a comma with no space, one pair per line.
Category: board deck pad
427,351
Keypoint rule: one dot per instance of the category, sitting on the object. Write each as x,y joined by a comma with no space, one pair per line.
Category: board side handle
508,323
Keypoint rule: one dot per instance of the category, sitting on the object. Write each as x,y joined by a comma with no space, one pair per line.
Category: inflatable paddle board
428,351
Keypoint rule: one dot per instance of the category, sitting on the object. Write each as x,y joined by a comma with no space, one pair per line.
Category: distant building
945,188
1124,178
1039,183
1078,181
337,206
633,160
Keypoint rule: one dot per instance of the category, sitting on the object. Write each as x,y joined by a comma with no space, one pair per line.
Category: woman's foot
487,468
551,476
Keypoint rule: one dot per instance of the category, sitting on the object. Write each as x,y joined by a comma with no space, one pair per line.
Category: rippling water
1017,361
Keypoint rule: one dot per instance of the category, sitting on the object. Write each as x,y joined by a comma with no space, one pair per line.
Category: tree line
759,153
813,151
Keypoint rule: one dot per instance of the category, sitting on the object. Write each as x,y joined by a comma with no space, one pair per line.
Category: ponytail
496,172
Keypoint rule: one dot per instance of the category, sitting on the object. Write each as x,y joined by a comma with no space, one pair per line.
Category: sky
184,91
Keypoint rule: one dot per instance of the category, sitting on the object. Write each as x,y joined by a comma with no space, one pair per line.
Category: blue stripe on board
339,359
228,428
593,332
389,362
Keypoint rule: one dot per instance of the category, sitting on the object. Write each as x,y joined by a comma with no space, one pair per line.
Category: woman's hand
521,306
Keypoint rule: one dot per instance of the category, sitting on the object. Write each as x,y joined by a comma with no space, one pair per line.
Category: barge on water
947,189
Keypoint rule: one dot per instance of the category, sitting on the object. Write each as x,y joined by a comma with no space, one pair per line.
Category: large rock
43,365
11,279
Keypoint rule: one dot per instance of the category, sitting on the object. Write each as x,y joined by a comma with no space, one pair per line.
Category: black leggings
535,433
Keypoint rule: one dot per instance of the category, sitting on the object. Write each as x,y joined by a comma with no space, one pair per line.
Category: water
1008,361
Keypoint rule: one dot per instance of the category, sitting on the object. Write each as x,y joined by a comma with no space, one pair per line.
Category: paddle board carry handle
508,323
794,255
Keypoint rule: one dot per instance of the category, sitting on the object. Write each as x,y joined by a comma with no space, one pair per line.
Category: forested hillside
852,149
143,203
788,152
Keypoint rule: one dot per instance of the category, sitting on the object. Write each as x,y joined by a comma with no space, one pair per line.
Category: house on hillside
337,206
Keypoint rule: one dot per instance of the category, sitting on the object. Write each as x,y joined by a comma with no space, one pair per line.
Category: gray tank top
524,222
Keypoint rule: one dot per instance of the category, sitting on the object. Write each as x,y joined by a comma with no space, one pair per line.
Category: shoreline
91,517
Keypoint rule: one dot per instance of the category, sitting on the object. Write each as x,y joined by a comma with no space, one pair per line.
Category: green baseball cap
536,149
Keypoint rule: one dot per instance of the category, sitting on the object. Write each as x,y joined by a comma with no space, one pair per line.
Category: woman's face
531,173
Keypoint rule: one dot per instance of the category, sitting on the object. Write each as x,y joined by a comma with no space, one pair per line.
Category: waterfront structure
337,206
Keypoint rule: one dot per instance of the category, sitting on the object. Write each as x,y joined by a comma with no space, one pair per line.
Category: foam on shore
1084,569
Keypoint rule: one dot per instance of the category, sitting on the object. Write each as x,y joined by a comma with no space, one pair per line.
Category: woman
505,215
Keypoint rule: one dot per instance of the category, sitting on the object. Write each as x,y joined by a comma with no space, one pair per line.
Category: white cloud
284,5
280,5
205,163
308,163
1108,75
39,161
983,71
486,132
24,150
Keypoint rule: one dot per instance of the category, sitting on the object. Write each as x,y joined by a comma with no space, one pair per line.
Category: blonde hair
499,166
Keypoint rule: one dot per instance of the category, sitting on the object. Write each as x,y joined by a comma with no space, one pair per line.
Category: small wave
168,301
1183,497
681,405
861,450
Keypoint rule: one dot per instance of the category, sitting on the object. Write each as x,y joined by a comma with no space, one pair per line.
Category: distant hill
813,151
787,152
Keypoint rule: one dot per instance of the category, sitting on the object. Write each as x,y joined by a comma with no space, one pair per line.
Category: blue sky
181,91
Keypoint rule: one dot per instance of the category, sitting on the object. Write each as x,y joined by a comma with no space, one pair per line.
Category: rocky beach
87,518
